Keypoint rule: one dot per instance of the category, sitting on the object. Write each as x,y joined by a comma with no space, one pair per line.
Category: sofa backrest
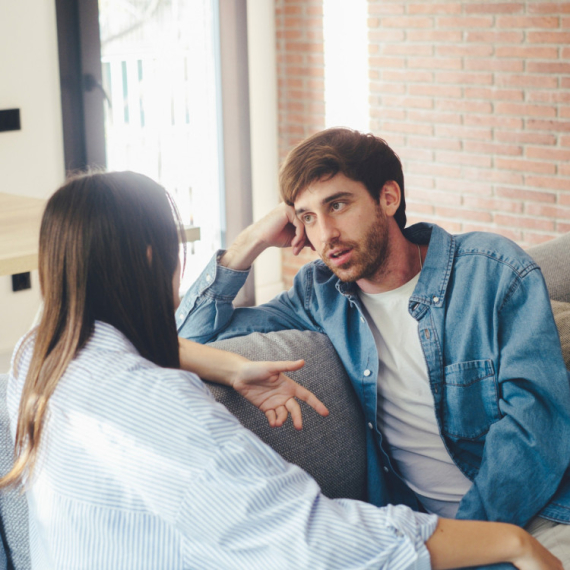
554,260
331,449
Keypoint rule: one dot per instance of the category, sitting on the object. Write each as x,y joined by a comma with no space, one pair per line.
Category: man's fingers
281,416
295,411
285,365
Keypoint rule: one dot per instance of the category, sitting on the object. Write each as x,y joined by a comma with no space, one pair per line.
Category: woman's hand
265,385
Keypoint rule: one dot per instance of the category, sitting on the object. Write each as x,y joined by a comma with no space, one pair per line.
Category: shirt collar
434,278
107,338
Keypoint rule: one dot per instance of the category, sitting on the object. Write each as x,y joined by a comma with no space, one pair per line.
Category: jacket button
386,469
436,299
367,373
370,425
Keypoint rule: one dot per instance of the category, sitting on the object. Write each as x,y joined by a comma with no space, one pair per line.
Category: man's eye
307,218
336,206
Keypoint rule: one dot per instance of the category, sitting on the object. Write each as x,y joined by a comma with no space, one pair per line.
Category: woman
128,462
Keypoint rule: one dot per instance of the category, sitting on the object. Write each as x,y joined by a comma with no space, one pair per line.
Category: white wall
262,62
31,160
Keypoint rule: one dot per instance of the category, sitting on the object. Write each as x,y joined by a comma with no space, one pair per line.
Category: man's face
346,226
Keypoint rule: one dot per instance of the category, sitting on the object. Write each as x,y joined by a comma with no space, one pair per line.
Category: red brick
549,182
463,214
381,7
373,22
548,8
493,175
492,148
527,81
434,143
564,170
408,128
408,76
415,184
434,117
494,64
415,50
560,38
387,36
465,185
488,8
547,67
436,90
565,82
527,52
548,97
466,159
529,195
462,132
465,22
392,114
384,62
304,47
524,222
465,50
546,153
493,93
527,22
417,208
406,22
535,124
536,239
564,112
447,8
493,121
448,225
435,63
562,228
464,78
547,211
495,37
524,165
436,197
432,169
391,88
464,106
565,141
523,109
564,199
493,204
408,102
438,36
524,138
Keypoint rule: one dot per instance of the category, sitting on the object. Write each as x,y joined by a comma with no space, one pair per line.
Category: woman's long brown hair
109,248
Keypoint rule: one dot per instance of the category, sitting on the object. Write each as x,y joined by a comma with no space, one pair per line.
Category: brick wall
474,96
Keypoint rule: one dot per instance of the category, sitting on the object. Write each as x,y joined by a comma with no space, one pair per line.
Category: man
449,340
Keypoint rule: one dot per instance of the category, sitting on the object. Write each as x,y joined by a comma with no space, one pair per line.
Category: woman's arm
264,384
457,544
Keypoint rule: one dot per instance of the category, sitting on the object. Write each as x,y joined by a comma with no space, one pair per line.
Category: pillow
562,318
332,449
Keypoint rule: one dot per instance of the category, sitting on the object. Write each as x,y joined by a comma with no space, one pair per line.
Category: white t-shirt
406,412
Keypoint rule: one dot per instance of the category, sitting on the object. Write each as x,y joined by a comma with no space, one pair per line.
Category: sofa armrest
554,260
332,449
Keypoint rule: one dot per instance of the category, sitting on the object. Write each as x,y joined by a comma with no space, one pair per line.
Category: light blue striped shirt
140,468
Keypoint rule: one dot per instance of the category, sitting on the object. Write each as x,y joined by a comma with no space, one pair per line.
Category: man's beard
368,256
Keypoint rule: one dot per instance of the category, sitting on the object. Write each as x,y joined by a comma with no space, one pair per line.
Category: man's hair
361,157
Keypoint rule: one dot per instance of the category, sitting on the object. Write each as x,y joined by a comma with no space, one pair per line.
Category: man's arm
527,451
207,313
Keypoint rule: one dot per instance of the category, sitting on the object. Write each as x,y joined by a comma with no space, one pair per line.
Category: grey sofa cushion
554,260
13,506
331,449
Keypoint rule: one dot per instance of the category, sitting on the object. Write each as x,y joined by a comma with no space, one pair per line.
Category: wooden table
19,233
20,219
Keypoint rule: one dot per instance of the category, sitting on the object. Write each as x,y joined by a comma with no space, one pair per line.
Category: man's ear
390,197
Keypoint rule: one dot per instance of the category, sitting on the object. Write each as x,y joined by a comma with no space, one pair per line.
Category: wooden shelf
20,219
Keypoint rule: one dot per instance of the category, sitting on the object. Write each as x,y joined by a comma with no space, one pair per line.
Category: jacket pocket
470,404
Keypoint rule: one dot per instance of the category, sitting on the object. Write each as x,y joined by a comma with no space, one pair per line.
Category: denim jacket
500,386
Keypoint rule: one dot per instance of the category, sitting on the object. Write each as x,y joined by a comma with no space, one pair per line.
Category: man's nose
328,231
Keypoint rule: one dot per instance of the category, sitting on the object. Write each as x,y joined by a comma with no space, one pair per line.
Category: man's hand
279,228
265,386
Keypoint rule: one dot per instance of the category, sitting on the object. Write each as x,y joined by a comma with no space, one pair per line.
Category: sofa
331,449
